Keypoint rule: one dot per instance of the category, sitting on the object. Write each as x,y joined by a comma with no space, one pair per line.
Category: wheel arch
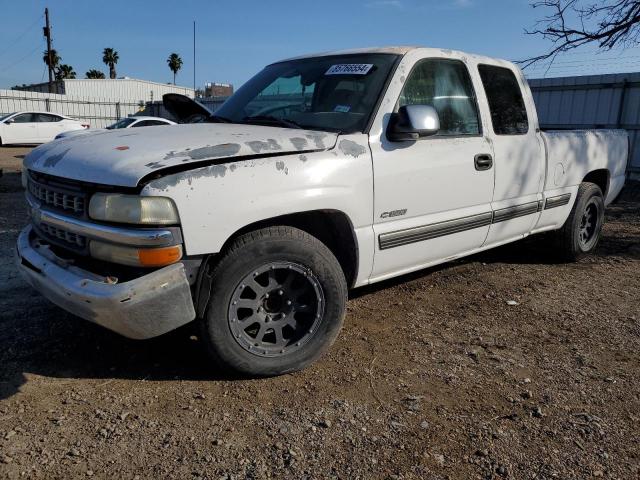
332,227
601,178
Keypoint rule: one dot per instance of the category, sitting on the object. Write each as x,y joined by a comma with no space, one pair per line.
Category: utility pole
194,58
47,34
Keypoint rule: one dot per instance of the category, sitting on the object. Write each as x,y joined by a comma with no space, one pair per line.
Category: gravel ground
502,365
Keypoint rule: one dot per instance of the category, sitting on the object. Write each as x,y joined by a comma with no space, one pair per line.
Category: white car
129,122
258,220
35,127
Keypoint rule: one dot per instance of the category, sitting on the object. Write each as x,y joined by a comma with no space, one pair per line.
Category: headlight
118,208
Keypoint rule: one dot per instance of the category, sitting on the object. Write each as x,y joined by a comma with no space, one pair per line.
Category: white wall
121,89
98,112
592,101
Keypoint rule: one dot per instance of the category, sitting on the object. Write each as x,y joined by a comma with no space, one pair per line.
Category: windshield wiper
268,119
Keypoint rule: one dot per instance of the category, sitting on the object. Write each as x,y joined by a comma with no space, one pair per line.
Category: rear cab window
506,104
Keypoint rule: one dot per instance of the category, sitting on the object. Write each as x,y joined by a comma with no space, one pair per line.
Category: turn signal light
157,257
136,257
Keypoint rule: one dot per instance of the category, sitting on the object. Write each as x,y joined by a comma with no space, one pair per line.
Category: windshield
4,117
334,93
122,123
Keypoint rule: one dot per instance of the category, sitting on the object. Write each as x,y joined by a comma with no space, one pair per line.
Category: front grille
69,239
58,198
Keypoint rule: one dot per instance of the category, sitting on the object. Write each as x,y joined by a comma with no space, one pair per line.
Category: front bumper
145,307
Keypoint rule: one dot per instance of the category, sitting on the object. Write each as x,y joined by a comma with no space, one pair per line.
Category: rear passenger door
518,151
49,126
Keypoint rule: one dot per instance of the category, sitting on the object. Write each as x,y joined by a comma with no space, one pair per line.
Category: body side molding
559,201
449,227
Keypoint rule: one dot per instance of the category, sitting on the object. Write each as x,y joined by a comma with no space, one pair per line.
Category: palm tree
93,73
110,58
175,63
55,58
65,72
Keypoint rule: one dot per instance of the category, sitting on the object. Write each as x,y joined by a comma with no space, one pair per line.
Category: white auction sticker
350,69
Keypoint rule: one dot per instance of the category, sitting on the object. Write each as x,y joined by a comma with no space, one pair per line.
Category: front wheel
581,232
277,303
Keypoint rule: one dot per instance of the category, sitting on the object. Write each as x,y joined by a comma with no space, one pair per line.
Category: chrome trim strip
140,237
516,211
559,201
435,230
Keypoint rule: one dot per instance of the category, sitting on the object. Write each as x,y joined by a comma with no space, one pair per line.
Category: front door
431,199
23,129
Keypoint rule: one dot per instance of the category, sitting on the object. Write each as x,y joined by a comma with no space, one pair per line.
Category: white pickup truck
321,174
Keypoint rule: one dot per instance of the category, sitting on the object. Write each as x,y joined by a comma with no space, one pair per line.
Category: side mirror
413,122
10,121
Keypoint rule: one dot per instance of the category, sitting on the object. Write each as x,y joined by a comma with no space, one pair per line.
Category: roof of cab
398,50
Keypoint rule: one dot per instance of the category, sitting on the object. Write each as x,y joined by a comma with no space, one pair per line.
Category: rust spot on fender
281,167
351,148
214,171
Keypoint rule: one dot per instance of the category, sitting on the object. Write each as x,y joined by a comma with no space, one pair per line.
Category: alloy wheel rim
276,309
588,225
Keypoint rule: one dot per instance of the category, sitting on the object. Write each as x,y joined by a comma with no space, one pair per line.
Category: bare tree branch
574,23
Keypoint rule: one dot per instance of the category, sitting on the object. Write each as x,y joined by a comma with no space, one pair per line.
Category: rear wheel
277,303
581,232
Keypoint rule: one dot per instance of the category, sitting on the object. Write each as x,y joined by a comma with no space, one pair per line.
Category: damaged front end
129,279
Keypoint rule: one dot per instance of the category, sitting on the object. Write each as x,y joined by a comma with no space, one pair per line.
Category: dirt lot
435,376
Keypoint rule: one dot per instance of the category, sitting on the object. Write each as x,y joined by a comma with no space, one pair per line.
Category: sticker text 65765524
350,69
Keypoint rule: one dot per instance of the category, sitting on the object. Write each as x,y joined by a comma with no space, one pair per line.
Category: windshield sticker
342,108
350,69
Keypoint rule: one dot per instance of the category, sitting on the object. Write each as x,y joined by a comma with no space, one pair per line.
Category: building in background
119,89
592,101
218,89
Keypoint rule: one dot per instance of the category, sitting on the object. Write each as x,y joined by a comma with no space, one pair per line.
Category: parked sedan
35,127
129,122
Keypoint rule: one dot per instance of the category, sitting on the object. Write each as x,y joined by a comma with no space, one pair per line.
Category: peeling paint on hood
97,159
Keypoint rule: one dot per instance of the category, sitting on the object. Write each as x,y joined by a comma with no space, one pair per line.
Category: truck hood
124,157
185,109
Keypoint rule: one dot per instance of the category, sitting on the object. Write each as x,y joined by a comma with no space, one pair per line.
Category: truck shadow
55,344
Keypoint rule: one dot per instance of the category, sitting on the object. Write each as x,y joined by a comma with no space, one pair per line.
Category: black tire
574,240
283,256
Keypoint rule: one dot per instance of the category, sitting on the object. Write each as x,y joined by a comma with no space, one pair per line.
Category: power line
21,36
22,58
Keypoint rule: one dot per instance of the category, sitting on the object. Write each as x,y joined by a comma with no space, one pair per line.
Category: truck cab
322,173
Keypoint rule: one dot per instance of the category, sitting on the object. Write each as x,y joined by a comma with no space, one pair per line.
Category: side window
24,118
45,117
142,123
508,113
446,86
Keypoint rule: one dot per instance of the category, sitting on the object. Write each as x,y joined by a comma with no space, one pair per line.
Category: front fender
217,200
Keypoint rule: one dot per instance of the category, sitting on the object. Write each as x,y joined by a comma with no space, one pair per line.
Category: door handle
483,161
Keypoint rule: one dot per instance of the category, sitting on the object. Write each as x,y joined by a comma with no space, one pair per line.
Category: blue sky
236,38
